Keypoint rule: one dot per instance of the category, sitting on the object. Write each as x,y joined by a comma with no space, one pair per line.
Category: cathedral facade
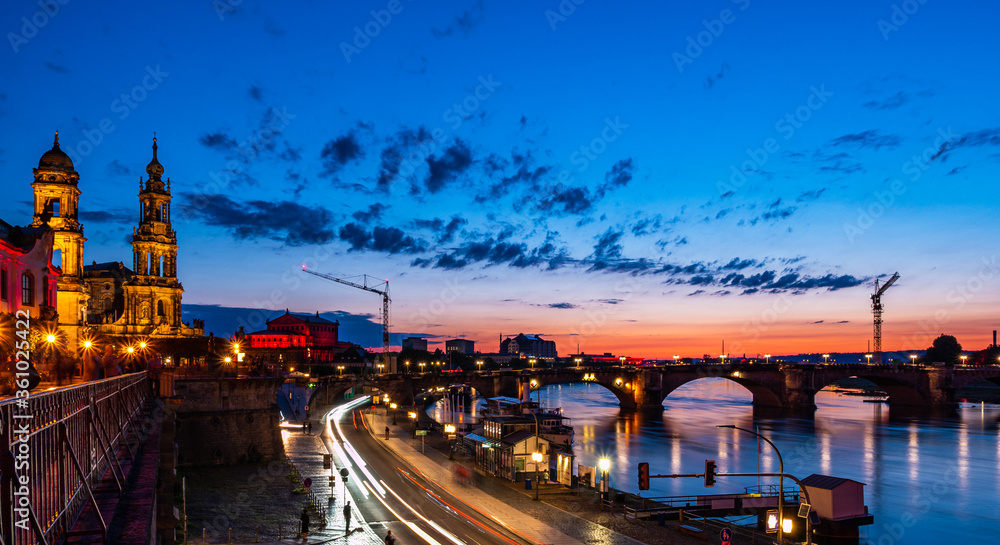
109,299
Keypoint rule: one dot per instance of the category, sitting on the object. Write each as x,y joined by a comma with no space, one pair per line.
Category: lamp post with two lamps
781,480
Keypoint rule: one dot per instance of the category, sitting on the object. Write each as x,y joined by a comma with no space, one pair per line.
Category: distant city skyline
642,179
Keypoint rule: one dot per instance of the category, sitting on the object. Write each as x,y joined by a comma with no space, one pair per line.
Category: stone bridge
780,386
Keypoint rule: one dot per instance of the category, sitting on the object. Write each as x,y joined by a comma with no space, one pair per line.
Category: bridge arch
624,392
900,392
763,396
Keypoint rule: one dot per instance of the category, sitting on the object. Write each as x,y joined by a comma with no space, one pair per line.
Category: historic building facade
109,299
294,337
28,281
56,206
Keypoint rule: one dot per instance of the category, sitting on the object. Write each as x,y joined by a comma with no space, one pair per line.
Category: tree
945,350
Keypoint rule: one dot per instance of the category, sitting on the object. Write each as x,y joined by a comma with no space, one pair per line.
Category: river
929,479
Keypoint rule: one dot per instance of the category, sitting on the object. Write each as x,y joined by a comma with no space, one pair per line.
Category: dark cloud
867,139
400,153
497,251
610,301
380,239
608,248
837,162
891,103
518,173
453,162
218,141
817,322
117,168
619,175
256,93
57,67
448,233
562,305
565,200
374,212
291,153
285,221
810,195
696,292
647,226
342,150
464,23
712,79
778,214
985,137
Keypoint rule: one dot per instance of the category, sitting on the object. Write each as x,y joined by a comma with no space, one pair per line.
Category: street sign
421,432
308,482
726,535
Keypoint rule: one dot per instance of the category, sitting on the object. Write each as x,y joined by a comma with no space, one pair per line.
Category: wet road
391,497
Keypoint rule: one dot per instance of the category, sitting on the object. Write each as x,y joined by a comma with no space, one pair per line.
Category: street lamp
532,362
537,458
676,358
578,361
604,464
826,358
480,364
723,358
913,359
767,358
341,369
422,364
781,481
869,356
380,366
621,359
407,367
50,338
963,358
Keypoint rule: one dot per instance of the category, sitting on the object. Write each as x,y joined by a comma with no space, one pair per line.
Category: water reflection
940,471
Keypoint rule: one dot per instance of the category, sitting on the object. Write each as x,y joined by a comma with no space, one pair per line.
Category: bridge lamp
913,358
577,361
393,406
618,382
767,358
963,358
142,345
736,374
534,383
87,344
723,357
621,359
826,358
341,369
532,362
407,366
422,364
412,415
130,349
869,356
676,358
480,364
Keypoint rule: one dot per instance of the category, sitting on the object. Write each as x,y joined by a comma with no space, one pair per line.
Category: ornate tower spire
154,169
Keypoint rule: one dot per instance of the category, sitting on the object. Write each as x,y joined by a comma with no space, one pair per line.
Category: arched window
159,309
27,289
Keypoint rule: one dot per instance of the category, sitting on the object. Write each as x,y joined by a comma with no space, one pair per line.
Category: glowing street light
532,362
826,358
578,361
767,358
537,458
676,357
480,364
422,364
341,369
50,338
407,367
869,356
130,349
142,345
913,358
963,358
380,366
604,465
87,344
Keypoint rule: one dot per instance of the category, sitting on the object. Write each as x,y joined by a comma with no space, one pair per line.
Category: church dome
56,158
154,168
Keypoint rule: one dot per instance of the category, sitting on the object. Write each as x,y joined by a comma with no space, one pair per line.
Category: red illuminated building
297,337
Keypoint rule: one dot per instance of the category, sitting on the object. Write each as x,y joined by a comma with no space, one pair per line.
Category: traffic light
643,476
709,473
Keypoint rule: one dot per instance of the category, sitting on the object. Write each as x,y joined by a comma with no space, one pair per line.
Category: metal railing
56,446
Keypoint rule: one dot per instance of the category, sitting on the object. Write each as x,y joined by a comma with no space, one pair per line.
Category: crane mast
877,312
365,286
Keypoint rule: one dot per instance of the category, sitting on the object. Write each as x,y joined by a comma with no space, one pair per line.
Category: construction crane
385,303
877,312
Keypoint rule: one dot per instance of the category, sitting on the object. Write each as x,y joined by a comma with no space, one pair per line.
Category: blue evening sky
647,178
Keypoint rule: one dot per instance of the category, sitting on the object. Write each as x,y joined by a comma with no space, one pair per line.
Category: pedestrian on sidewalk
387,432
347,518
304,428
305,522
310,427
389,539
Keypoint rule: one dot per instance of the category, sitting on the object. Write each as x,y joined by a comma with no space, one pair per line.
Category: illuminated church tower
57,200
153,295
